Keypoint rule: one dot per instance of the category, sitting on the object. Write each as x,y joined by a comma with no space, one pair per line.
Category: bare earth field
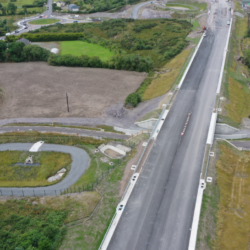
39,90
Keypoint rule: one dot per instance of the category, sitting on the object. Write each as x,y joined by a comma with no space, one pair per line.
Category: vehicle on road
26,27
16,31
228,22
40,16
7,34
75,22
47,8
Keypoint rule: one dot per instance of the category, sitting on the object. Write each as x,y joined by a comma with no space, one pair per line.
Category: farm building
60,4
73,7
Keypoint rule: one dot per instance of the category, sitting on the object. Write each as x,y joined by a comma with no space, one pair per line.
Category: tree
11,8
3,47
14,52
35,53
44,244
133,99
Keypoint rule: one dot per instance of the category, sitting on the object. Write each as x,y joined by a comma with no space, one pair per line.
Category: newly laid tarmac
160,210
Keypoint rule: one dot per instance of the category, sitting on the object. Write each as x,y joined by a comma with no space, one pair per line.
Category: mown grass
78,48
31,176
44,21
201,6
233,215
163,83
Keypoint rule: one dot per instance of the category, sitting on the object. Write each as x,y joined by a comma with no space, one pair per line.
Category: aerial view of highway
124,125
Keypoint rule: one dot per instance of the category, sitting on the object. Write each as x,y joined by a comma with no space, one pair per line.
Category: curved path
80,162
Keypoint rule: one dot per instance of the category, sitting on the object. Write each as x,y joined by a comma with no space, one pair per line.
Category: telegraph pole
67,99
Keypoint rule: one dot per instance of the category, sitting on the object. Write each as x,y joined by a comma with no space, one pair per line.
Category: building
60,4
73,7
24,40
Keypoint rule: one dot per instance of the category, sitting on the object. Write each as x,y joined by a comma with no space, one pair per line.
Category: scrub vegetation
40,223
12,175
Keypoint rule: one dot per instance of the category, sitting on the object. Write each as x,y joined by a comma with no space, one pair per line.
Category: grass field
44,21
233,216
78,48
30,176
179,5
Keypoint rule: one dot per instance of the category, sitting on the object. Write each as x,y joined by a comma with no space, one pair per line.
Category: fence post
44,193
1,192
55,192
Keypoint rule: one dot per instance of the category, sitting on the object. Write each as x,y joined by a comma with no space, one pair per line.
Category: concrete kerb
104,244
196,216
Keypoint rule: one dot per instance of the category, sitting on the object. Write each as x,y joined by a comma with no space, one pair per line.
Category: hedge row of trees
48,37
139,28
122,62
19,52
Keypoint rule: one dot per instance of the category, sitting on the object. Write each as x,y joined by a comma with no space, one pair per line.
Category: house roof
73,6
24,40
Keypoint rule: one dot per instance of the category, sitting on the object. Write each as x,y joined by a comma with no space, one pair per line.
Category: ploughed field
39,90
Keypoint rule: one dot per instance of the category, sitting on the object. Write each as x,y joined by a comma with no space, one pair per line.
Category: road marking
36,146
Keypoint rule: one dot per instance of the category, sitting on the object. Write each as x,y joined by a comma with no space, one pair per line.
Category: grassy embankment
235,86
31,176
44,21
78,48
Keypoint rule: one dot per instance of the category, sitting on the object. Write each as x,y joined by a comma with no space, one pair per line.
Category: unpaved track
39,90
80,162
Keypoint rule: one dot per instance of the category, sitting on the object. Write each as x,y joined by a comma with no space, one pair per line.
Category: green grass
44,21
196,24
30,176
78,48
180,5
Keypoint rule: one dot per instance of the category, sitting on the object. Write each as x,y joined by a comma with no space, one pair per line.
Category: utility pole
67,99
248,14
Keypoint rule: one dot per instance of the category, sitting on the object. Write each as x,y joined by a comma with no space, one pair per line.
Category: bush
48,37
139,28
133,99
35,53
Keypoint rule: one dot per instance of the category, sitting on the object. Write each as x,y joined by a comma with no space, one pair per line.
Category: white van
228,22
7,34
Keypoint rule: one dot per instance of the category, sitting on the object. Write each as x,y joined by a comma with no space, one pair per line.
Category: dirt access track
39,90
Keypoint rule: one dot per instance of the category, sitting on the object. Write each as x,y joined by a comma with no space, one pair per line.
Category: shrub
133,99
46,37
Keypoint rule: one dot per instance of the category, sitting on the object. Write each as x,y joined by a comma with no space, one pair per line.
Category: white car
228,22
7,34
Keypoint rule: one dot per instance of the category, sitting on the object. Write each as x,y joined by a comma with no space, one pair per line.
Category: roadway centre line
210,138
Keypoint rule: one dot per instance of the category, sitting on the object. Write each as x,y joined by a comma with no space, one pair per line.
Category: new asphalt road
80,162
158,215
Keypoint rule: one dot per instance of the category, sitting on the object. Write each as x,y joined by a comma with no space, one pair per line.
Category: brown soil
39,90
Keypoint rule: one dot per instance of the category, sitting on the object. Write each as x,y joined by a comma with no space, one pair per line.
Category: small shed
73,7
24,40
